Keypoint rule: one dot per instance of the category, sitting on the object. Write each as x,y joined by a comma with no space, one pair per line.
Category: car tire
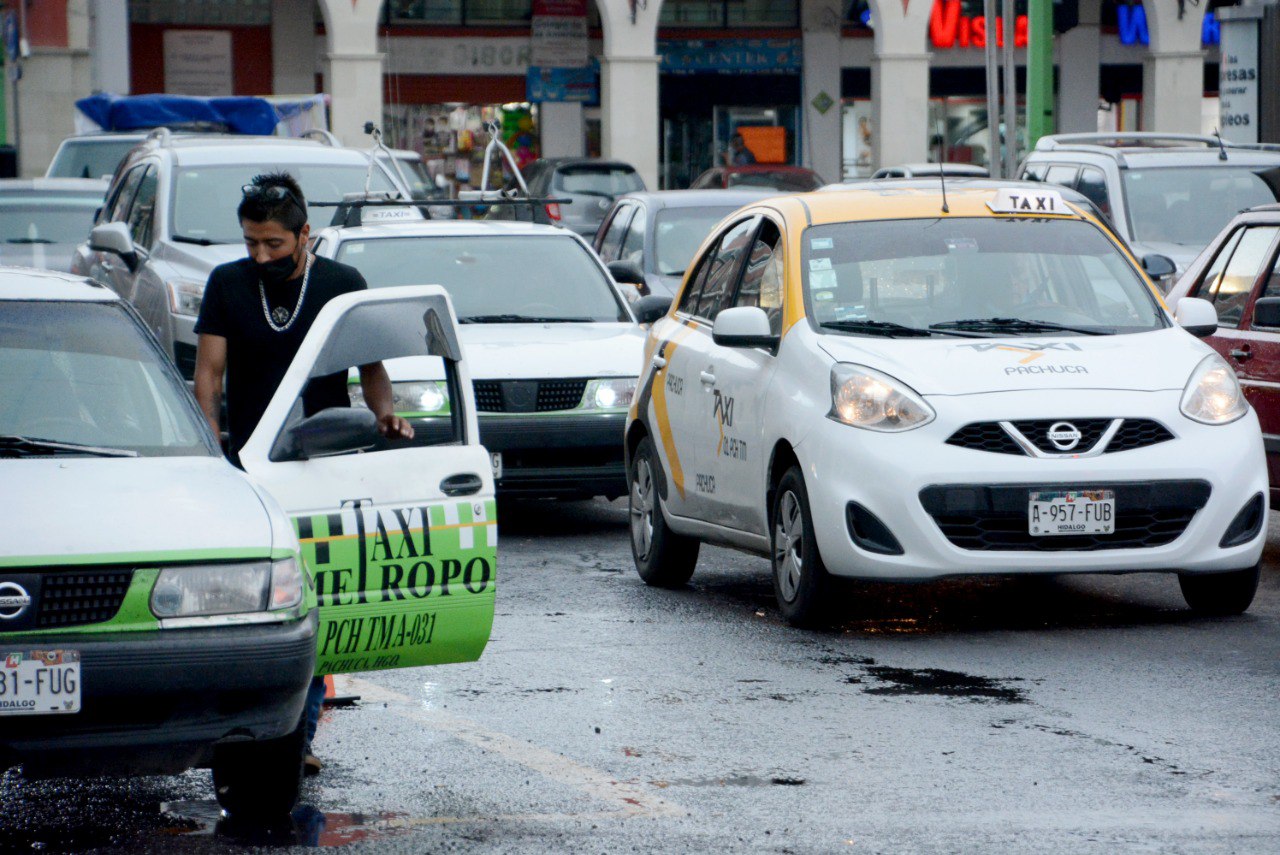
259,779
1220,594
803,587
663,558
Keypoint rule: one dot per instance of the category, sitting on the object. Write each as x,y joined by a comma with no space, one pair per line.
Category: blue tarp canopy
241,115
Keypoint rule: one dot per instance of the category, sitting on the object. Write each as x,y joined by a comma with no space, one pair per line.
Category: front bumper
914,483
578,455
156,702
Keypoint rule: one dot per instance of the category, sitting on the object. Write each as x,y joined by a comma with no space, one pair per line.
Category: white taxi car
891,384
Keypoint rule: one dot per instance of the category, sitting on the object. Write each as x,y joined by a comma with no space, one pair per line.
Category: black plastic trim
1246,525
869,532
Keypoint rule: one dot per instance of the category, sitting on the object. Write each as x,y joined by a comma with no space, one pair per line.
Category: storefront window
427,11
729,13
499,11
234,12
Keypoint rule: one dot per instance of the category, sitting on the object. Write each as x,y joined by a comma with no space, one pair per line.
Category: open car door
398,536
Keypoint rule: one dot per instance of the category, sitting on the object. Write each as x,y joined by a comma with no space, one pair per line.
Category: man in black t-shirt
254,316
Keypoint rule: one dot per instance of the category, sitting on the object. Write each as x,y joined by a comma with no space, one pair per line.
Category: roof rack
1115,140
162,135
321,135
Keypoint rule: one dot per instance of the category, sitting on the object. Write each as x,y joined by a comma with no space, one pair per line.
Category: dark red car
1240,274
785,179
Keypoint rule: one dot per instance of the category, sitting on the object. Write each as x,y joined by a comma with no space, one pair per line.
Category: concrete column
562,128
899,109
109,45
629,113
354,84
53,78
821,75
293,47
1079,84
1173,70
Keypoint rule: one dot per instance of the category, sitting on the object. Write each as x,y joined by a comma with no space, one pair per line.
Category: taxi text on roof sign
1028,202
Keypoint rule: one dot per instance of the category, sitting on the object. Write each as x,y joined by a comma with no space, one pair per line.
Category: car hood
45,256
197,261
531,351
78,509
1140,362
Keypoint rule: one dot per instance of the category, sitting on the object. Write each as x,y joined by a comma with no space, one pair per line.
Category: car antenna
1222,148
942,179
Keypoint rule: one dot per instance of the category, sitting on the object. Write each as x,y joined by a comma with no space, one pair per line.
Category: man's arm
211,363
376,386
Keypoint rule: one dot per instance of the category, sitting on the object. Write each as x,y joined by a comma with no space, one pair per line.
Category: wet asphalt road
994,715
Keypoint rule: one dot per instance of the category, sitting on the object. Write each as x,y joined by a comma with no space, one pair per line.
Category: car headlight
419,398
1213,395
865,398
208,590
185,296
611,394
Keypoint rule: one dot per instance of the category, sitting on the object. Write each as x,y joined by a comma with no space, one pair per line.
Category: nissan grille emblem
1064,435
14,600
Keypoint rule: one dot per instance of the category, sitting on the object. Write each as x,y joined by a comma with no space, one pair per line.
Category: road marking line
631,799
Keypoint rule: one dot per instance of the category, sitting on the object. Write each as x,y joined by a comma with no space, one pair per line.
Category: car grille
75,599
528,396
994,517
993,437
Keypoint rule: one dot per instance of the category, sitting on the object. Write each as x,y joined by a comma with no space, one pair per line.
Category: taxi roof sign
1010,201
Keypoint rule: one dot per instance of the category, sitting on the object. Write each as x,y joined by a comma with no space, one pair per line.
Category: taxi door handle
708,378
1241,355
659,363
463,484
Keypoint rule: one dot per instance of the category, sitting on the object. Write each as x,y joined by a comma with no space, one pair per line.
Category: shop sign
462,56
949,28
197,62
580,85
731,56
1238,81
1131,23
558,34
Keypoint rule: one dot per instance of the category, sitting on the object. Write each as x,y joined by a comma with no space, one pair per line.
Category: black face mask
276,271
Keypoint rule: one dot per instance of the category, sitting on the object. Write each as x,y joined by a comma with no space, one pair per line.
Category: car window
1064,175
689,299
83,372
1188,204
708,179
722,274
793,182
1230,289
612,242
762,278
86,159
432,400
633,244
558,279
1272,286
1093,185
124,197
597,180
37,218
678,232
142,211
1034,172
1209,279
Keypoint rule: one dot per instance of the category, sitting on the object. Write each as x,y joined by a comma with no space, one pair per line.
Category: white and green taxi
159,608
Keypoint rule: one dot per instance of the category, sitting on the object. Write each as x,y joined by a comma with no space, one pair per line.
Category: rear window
795,182
85,159
598,180
46,219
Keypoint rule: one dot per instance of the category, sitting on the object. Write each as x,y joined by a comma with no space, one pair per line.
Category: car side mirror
115,239
626,273
337,430
1266,312
1197,316
1158,266
651,308
743,326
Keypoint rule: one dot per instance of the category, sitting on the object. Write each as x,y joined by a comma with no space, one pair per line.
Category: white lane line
631,799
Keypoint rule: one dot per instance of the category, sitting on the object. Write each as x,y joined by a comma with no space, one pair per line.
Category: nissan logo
1064,435
14,600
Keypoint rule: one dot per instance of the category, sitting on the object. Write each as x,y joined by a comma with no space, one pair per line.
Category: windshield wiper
198,241
28,240
1014,325
519,319
892,330
13,445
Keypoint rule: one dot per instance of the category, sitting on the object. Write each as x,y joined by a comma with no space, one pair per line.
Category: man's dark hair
289,209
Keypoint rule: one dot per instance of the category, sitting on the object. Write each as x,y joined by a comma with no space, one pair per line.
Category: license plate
40,682
495,460
1072,512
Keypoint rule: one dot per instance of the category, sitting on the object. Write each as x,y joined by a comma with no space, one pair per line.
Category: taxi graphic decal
1027,354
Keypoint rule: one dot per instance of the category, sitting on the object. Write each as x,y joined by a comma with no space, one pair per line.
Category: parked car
1167,194
648,239
553,346
1239,272
869,385
179,622
589,184
924,170
784,179
170,218
43,219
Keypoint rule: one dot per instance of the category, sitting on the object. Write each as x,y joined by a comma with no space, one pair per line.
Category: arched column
293,47
1173,69
353,67
1080,58
629,86
820,23
900,82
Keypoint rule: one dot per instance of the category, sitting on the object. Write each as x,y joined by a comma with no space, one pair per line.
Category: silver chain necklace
280,319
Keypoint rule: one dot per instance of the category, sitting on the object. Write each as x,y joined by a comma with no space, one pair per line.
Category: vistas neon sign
1132,23
948,28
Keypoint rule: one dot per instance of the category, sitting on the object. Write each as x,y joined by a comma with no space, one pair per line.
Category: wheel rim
642,509
788,545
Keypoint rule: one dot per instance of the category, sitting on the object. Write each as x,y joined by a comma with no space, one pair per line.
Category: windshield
89,159
678,232
494,278
917,273
83,373
205,198
1190,204
36,219
796,182
598,180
